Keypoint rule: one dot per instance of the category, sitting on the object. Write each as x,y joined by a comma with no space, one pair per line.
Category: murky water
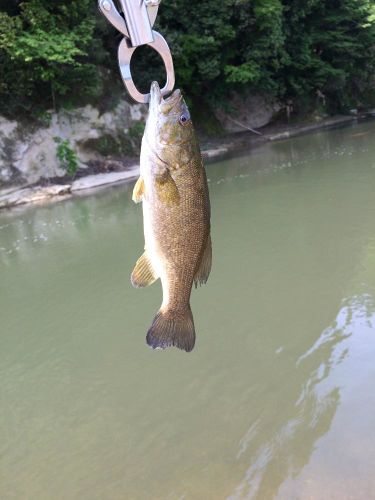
276,401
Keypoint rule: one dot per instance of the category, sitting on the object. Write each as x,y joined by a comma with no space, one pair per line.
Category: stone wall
253,111
28,151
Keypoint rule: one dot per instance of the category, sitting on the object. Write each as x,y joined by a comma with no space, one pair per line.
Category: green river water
277,399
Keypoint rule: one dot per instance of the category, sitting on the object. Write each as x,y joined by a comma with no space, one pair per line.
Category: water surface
277,399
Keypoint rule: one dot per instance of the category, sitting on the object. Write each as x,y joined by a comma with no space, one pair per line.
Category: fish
173,190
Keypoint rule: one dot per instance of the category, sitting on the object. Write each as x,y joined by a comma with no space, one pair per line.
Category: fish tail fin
172,328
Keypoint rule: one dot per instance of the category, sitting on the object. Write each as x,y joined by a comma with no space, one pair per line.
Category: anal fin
143,273
204,269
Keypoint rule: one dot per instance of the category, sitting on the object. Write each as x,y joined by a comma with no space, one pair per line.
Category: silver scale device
134,19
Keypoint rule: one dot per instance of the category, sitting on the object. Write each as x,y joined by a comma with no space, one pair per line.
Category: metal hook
139,16
124,56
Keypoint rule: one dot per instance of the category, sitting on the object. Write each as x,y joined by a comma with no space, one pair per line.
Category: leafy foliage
334,52
45,54
66,156
61,52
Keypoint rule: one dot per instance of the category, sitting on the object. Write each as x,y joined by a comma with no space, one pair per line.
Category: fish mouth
155,94
157,99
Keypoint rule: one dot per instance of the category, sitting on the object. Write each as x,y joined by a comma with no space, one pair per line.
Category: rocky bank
33,155
29,151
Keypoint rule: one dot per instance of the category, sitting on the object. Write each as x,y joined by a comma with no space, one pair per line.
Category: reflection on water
276,400
291,464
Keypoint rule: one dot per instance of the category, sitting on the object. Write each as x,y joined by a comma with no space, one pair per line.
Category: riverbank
215,150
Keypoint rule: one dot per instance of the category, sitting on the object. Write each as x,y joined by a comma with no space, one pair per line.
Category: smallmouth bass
176,218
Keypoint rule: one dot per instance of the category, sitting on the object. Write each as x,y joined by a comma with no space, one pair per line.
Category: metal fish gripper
135,20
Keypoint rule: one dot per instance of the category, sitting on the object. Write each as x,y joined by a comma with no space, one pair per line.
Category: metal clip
139,16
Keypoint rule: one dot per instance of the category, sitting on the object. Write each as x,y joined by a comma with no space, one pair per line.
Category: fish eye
184,119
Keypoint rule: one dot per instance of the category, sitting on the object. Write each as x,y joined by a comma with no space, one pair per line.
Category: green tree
330,45
258,49
64,52
46,49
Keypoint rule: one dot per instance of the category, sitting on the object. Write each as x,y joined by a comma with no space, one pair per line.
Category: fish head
168,123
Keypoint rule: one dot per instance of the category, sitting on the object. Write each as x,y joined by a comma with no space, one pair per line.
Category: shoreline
216,150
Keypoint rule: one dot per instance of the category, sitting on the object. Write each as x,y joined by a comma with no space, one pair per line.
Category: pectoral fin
143,273
166,189
203,271
139,190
